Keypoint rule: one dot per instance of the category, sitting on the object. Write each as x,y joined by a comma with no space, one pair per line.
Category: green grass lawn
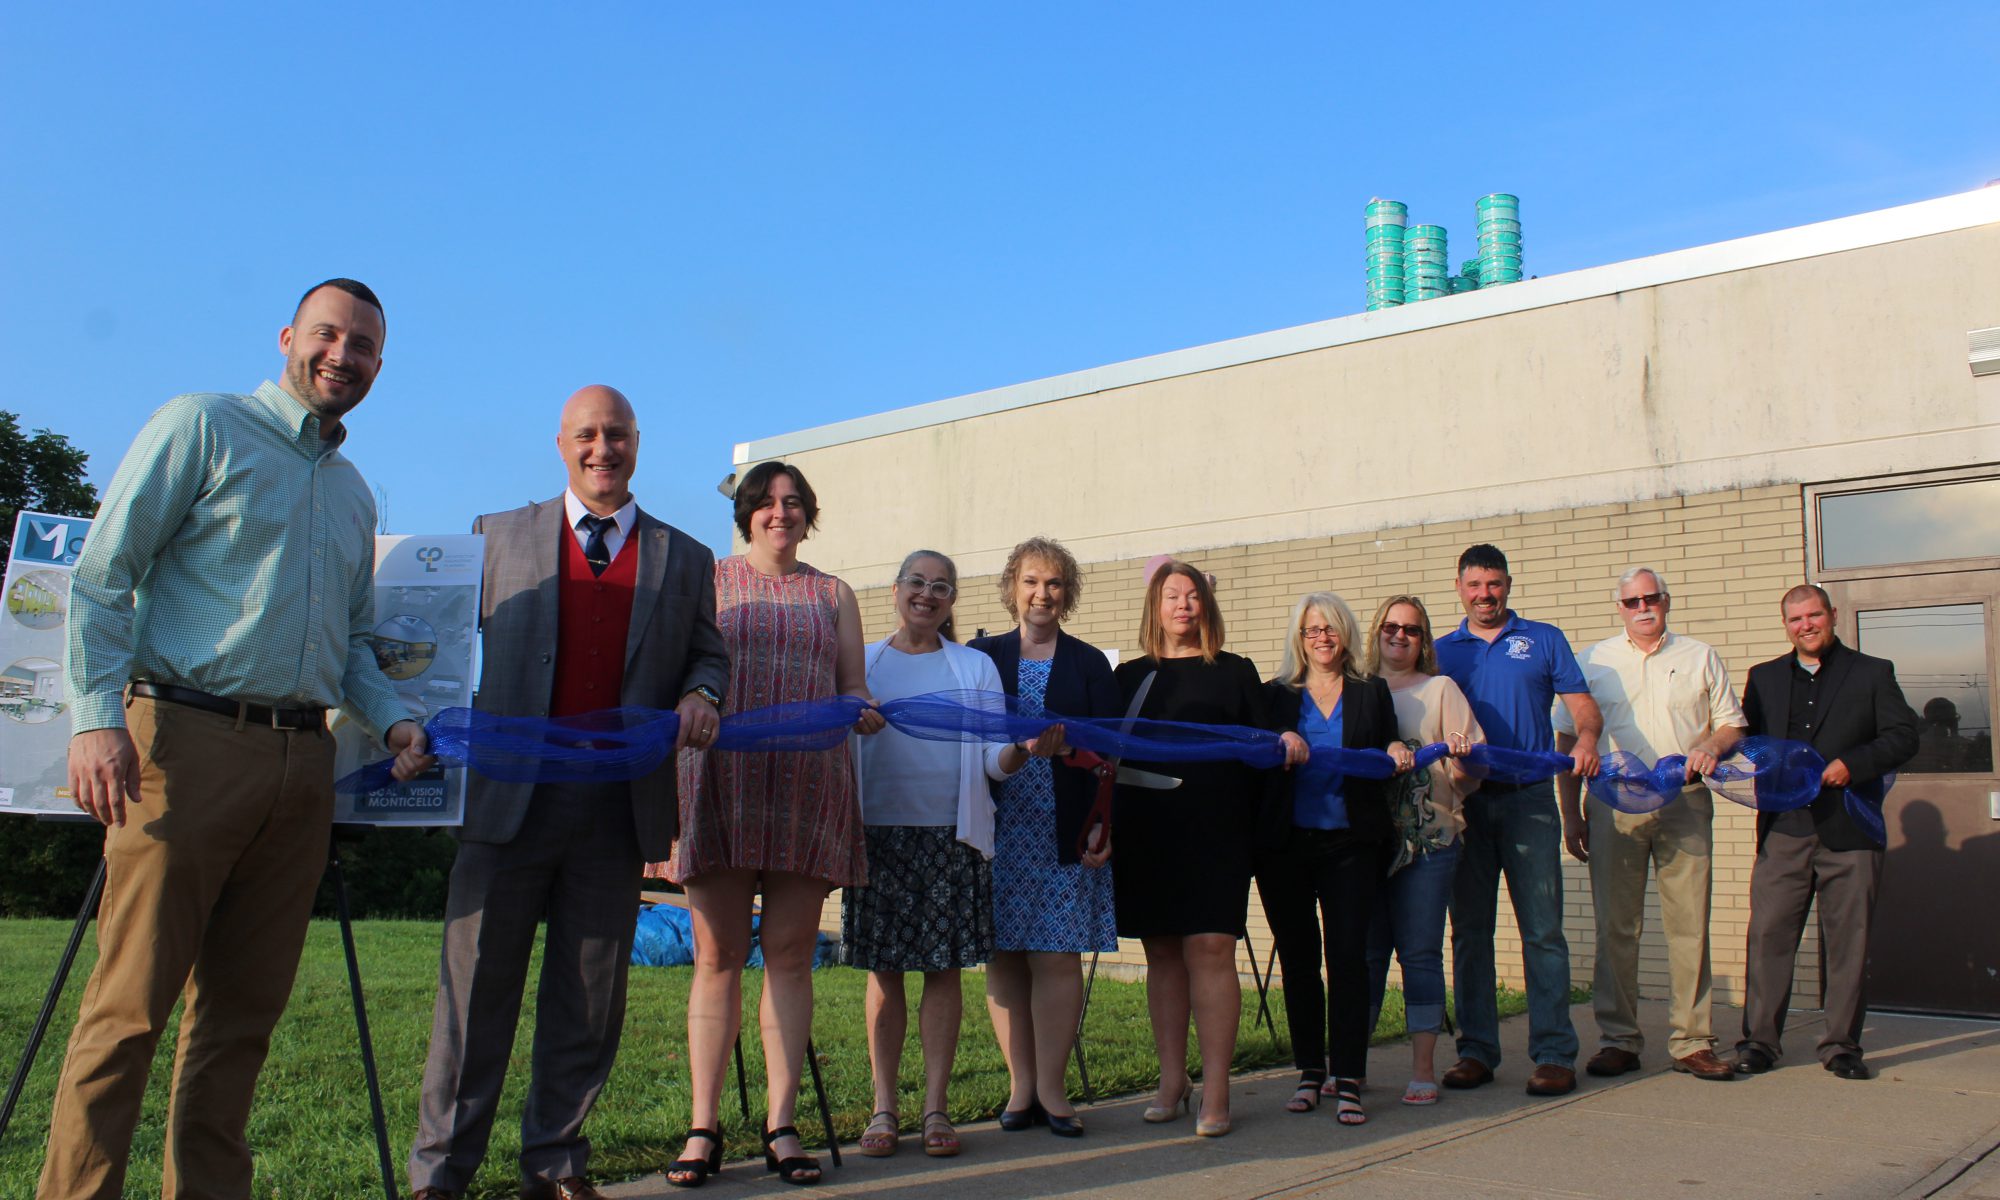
310,1126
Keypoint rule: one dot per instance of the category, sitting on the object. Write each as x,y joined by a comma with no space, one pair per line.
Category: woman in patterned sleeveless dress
787,824
1051,900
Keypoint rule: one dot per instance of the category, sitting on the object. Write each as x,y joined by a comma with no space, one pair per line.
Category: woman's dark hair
754,489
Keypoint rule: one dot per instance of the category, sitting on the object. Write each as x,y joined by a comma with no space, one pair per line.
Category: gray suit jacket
674,646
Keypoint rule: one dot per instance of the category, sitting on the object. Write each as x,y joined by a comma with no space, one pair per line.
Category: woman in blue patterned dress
1051,898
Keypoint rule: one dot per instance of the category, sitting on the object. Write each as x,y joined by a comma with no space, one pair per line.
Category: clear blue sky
757,218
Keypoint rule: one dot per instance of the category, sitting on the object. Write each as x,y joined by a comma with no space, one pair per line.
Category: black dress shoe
1014,1120
1849,1066
1069,1126
1752,1061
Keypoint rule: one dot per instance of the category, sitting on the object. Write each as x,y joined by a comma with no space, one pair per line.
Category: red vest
593,617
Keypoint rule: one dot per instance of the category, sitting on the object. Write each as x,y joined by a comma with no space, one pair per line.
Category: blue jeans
1518,833
1409,919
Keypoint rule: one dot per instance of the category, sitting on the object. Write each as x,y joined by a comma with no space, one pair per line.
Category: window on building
1937,522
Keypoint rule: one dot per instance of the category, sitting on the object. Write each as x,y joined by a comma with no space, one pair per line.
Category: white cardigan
977,761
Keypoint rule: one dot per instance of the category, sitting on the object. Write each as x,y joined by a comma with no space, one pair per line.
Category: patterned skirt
927,905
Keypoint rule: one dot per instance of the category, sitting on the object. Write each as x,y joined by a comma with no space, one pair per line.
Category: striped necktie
594,551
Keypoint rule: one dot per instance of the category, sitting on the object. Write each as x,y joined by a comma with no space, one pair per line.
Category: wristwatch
707,693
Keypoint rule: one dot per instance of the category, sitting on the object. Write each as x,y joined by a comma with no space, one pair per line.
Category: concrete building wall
1841,365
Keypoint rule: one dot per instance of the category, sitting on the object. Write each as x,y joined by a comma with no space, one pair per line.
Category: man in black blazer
589,603
1848,707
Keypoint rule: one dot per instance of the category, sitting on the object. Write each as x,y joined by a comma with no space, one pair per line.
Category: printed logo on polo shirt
1518,647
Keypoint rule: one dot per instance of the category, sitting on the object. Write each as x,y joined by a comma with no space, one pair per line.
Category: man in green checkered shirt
222,604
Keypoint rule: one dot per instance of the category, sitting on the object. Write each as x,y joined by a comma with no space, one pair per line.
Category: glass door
1936,943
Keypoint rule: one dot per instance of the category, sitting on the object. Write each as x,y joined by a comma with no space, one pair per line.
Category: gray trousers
576,864
1789,872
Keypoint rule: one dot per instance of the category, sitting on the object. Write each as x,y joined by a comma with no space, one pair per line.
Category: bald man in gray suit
589,603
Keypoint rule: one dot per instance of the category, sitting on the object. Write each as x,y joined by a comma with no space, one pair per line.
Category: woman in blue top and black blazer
1051,900
1324,845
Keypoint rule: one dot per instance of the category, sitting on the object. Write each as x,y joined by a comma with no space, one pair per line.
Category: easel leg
742,1087
1263,986
1082,1067
361,1024
54,994
819,1089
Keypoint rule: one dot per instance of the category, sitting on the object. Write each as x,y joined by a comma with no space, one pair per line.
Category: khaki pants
207,890
1675,843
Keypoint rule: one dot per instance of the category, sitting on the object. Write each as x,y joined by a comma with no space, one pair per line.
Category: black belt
252,714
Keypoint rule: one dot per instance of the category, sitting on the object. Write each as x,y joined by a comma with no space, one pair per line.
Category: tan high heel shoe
1155,1115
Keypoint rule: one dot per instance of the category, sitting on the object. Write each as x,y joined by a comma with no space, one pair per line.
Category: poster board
426,631
34,697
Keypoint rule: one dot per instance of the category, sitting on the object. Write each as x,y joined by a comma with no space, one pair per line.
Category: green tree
48,863
41,473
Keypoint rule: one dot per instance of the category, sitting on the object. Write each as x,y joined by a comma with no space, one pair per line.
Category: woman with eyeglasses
1181,876
928,810
783,824
1051,891
1409,916
1327,842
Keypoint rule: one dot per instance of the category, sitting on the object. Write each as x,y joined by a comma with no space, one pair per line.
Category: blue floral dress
1038,902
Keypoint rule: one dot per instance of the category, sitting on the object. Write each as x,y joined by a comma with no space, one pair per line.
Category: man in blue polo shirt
1512,670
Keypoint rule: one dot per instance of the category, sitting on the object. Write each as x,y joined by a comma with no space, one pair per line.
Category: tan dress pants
208,887
1675,844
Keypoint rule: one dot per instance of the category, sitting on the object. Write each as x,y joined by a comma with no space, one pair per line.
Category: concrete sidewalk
1928,1125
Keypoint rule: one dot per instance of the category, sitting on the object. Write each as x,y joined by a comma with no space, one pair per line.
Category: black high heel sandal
1347,1102
695,1171
799,1169
1305,1098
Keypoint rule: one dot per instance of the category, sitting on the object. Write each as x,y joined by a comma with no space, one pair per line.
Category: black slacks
1319,890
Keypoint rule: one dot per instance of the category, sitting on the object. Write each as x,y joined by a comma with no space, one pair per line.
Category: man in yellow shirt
1661,694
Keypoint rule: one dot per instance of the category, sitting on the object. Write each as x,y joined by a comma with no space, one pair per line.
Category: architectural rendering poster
426,625
34,702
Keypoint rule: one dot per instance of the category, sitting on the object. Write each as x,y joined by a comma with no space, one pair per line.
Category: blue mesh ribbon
617,744
1765,773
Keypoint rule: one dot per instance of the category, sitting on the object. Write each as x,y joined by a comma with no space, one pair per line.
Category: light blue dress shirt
234,554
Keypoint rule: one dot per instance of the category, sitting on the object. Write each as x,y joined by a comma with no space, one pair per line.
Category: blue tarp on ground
665,938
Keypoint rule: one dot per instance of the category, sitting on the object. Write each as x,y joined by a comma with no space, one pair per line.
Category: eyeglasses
1649,600
940,589
1414,632
1320,633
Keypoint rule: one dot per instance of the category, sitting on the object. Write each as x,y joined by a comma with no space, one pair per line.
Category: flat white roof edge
1965,210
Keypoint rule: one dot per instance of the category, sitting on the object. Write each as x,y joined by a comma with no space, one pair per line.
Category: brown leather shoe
1468,1073
1612,1061
1703,1064
1551,1080
573,1187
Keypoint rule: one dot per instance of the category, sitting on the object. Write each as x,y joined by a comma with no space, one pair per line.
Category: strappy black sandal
693,1172
1347,1102
1306,1098
800,1169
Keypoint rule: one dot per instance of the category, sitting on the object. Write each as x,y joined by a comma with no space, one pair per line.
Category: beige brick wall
1727,555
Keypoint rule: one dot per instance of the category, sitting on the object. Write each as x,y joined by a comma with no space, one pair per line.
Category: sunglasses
940,589
1319,633
1649,600
1415,632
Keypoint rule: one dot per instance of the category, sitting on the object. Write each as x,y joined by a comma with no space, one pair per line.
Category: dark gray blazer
674,646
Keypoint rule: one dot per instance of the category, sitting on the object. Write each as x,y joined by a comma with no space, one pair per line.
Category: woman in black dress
1182,867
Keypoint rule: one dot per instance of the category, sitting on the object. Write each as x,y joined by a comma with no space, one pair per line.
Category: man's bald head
599,441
